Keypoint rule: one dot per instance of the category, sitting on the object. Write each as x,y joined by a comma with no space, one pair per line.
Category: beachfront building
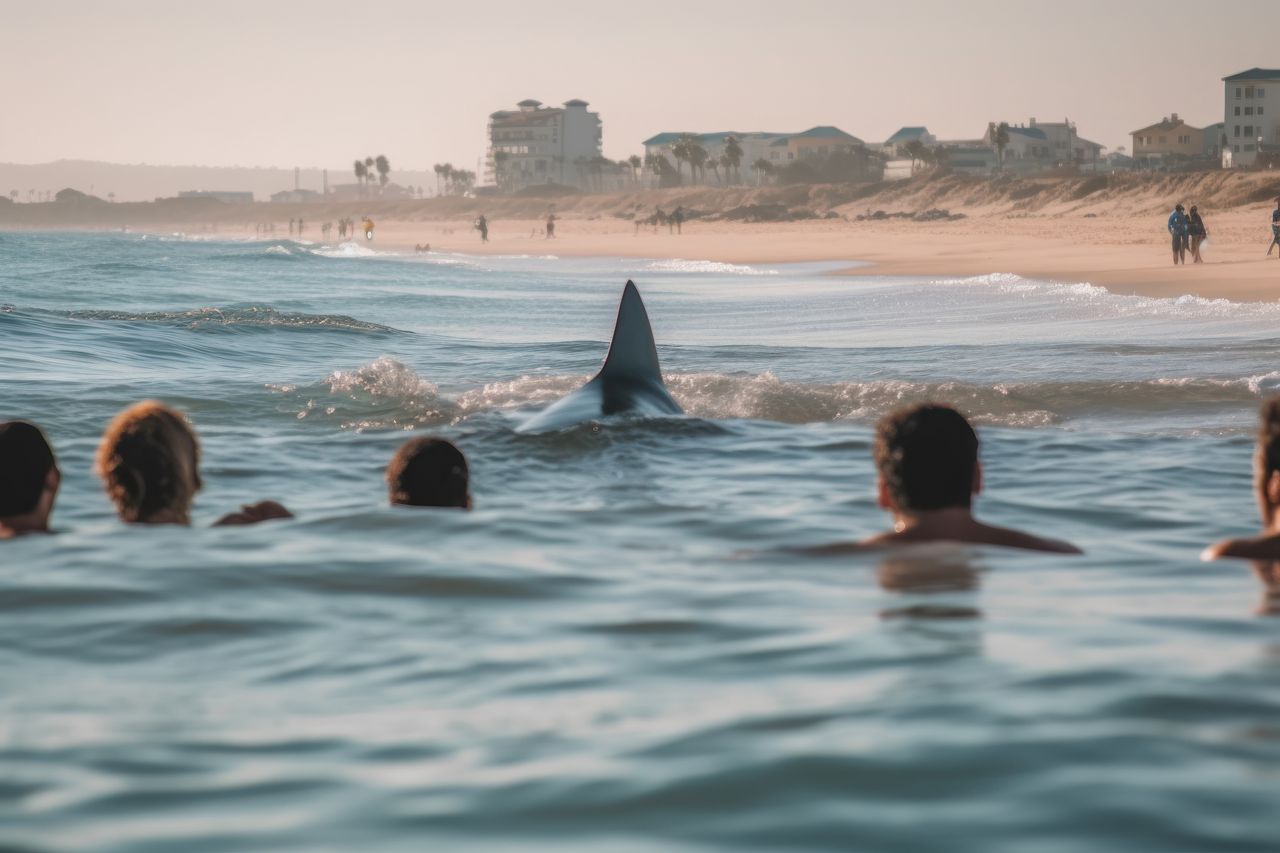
1214,137
1028,149
534,145
906,135
225,196
1251,116
777,149
1168,141
756,145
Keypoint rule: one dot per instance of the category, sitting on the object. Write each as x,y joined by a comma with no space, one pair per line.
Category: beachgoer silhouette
1195,227
551,226
1178,230
1275,229
482,225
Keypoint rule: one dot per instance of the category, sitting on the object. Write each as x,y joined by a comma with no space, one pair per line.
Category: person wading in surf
29,480
149,462
1266,492
929,473
429,472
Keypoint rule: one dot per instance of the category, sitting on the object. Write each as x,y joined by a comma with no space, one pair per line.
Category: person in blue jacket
1179,230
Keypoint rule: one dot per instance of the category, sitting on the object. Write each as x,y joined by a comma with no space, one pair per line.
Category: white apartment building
534,144
1251,118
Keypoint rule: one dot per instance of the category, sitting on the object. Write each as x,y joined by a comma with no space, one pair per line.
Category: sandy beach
1126,254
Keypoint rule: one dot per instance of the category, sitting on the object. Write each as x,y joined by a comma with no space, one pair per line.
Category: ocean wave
245,316
1186,306
680,265
387,394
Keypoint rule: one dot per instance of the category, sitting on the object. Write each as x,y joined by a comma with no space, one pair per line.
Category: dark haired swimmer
149,462
29,480
927,459
429,472
1266,487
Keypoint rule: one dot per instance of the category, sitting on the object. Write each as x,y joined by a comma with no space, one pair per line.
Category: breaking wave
387,394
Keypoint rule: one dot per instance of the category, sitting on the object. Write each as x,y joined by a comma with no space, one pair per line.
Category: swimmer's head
149,461
29,475
927,459
1266,460
430,472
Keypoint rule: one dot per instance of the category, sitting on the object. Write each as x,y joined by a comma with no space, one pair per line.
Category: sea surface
604,655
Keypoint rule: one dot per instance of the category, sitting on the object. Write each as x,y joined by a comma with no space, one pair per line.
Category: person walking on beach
482,225
1195,226
299,226
678,218
1275,230
551,226
1178,231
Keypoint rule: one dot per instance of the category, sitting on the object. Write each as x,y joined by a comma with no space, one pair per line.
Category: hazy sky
315,83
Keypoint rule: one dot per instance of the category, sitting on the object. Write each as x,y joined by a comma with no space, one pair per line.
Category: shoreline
1126,255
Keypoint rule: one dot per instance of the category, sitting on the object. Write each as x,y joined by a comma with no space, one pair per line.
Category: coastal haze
638,637
254,84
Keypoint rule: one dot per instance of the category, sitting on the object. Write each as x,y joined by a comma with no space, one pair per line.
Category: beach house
1170,140
1251,116
533,144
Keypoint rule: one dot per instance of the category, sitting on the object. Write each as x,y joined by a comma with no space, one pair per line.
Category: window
1248,91
1248,111
1259,110
1248,130
1237,91
1262,93
1237,111
1235,148
1237,130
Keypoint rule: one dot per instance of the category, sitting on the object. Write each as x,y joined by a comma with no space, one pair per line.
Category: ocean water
588,661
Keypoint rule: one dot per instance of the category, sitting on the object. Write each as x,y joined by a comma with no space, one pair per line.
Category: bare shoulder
254,513
1259,548
1009,538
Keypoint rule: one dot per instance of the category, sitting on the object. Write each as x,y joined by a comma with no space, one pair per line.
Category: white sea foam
681,265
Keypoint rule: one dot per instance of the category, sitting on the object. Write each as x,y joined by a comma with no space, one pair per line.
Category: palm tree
697,159
682,149
361,173
916,150
436,169
732,155
384,169
714,163
635,162
999,138
763,167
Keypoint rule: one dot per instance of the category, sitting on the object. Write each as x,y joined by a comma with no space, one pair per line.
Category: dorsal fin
632,353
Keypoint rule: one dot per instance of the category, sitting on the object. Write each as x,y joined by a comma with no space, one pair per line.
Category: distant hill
141,182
